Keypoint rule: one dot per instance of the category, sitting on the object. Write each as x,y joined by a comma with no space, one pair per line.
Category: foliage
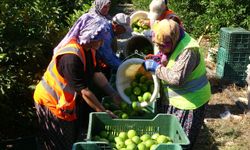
206,17
141,4
28,31
209,16
84,9
77,13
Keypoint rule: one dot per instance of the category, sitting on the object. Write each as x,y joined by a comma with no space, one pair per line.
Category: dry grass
232,133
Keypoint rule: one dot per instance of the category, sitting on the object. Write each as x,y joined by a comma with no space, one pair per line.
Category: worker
158,10
101,8
185,88
108,51
63,98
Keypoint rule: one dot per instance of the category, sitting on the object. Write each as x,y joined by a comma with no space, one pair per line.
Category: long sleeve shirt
187,61
106,52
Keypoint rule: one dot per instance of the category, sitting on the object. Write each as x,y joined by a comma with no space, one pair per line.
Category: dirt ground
223,130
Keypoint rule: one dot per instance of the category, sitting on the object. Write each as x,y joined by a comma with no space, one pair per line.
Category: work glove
147,33
156,57
150,65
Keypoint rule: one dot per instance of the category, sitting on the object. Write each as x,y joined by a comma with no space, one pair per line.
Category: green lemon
103,134
96,138
155,136
141,146
124,116
131,133
131,146
134,84
162,139
128,142
149,143
153,147
145,137
135,106
143,79
111,137
118,139
138,76
137,90
133,97
123,105
149,82
144,87
146,96
123,135
120,145
140,99
128,91
136,139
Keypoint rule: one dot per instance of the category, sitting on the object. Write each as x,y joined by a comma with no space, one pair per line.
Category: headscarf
123,20
97,7
167,28
87,27
156,7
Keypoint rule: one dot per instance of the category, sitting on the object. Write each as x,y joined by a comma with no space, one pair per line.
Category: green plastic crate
105,146
232,57
91,146
168,147
162,123
234,39
234,73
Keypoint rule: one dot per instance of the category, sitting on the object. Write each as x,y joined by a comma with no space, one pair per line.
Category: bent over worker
63,98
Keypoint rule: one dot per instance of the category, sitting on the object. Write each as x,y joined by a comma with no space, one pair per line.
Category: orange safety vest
168,14
53,91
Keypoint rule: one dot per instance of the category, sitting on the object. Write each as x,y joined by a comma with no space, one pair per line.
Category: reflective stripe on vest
190,86
53,91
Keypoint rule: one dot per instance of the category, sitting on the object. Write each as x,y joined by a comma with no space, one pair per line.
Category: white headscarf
156,8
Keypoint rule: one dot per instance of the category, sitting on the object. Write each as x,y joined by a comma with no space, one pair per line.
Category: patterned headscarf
87,27
167,28
97,7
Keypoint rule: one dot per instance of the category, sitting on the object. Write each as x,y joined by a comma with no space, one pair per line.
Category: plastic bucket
126,73
139,43
138,15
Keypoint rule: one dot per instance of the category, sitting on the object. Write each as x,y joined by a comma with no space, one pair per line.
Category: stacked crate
233,54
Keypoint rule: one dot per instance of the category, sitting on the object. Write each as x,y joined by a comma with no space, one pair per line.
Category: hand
147,33
156,57
150,65
116,99
144,22
111,114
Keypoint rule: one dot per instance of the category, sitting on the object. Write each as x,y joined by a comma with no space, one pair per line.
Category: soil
227,121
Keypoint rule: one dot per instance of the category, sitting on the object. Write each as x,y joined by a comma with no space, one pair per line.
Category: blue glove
150,65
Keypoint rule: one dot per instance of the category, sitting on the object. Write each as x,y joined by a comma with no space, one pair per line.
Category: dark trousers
58,134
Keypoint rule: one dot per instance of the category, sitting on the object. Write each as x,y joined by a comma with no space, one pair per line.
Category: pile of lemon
139,27
140,89
133,141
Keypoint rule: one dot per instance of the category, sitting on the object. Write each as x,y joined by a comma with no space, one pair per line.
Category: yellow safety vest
196,90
